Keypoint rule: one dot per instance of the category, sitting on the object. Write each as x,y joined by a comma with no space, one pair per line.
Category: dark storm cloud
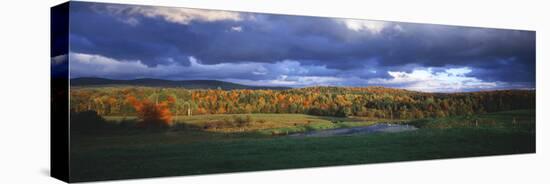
363,49
152,42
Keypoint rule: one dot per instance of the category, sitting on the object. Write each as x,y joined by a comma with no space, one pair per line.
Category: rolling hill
148,82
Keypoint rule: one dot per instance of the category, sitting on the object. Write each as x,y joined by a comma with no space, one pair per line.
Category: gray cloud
352,49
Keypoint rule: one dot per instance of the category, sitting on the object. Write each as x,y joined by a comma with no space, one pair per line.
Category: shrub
152,115
87,122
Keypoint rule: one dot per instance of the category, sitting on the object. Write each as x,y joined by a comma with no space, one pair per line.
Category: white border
25,91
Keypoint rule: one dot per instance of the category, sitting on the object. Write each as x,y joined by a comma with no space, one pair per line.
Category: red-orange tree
152,115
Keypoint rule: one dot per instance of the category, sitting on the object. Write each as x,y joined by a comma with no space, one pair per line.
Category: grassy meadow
220,143
268,124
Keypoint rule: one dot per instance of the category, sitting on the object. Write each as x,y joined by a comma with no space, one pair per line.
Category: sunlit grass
268,124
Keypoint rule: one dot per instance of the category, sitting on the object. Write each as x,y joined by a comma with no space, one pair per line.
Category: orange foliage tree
152,115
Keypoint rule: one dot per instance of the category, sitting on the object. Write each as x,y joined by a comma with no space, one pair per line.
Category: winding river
380,127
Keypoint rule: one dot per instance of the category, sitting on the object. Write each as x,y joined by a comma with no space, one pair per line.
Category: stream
380,127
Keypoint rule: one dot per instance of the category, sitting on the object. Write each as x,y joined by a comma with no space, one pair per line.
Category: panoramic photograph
165,91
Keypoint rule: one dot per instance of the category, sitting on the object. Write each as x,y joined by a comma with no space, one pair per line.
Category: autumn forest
373,102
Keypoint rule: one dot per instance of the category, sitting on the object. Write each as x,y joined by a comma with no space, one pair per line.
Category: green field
199,150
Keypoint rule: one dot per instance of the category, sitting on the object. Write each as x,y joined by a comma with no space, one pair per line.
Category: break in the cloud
283,73
449,80
360,25
175,15
128,41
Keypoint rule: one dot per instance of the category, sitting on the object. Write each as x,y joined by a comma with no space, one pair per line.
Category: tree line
374,102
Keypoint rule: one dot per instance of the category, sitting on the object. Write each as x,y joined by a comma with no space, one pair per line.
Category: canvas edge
59,92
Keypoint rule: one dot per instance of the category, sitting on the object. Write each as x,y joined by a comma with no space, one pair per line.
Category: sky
128,42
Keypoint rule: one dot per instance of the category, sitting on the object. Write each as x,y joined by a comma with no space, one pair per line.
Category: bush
87,122
152,115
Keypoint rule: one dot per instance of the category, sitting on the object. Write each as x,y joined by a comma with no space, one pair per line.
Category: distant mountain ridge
149,82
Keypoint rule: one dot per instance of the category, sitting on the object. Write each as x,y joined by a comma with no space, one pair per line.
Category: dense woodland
375,102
